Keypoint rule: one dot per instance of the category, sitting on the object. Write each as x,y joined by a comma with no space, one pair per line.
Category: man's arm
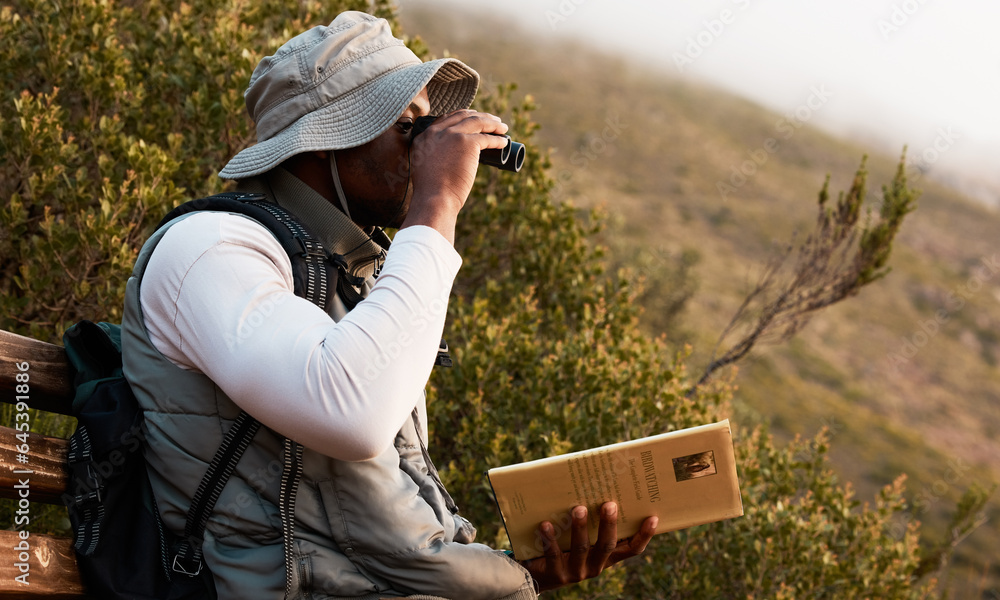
217,298
445,159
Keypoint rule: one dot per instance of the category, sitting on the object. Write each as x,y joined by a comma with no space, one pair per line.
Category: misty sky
915,72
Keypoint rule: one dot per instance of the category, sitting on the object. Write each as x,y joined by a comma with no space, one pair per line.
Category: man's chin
390,221
396,220
396,223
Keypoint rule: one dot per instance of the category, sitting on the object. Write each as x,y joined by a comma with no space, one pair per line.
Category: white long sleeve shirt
217,298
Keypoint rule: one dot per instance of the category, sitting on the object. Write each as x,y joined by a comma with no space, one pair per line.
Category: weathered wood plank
49,381
46,460
51,570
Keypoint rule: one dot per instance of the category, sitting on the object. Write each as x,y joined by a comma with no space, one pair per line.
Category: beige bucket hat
339,87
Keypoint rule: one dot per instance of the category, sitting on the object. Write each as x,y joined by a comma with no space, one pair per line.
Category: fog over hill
899,72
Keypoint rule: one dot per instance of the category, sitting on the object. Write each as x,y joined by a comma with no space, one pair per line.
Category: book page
685,478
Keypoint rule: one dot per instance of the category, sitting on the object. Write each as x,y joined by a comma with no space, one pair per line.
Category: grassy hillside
904,375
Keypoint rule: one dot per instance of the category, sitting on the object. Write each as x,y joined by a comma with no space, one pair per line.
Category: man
212,327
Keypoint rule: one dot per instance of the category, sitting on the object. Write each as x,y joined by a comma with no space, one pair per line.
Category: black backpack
123,549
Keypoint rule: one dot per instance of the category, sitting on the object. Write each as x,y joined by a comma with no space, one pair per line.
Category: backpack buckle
311,248
89,499
186,566
89,486
443,358
343,270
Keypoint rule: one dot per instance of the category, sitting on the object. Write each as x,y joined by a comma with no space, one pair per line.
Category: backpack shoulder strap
314,270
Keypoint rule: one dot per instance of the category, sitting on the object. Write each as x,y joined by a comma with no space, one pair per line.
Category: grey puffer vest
375,529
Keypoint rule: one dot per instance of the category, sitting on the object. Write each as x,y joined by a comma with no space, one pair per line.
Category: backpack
123,550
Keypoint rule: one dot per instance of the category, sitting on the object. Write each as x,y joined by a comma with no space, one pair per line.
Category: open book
685,477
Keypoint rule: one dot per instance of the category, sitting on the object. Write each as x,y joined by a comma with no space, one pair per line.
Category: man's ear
307,160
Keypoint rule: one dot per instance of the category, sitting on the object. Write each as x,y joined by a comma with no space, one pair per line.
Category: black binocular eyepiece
508,158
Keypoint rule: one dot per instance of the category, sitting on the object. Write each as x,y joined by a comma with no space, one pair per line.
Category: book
685,477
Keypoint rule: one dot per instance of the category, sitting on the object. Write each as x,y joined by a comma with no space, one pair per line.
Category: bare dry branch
834,262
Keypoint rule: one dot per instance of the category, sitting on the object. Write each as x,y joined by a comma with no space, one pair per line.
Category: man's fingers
638,542
635,545
556,569
554,566
579,543
607,532
607,539
471,121
550,543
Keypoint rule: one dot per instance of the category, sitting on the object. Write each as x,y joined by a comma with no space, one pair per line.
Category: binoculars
508,158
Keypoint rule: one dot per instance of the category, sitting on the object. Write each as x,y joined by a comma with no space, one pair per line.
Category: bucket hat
340,86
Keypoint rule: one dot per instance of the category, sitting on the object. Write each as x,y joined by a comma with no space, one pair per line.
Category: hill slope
904,375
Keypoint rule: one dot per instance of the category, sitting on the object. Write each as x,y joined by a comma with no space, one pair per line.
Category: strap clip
89,484
186,566
311,248
443,358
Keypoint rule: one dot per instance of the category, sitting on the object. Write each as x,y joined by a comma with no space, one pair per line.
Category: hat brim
361,115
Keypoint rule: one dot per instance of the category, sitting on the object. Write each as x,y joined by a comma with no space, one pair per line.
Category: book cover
685,477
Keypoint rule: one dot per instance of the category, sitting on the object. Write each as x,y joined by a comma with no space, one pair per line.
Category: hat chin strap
336,183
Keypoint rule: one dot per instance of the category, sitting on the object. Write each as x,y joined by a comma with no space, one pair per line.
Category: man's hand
443,163
584,561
